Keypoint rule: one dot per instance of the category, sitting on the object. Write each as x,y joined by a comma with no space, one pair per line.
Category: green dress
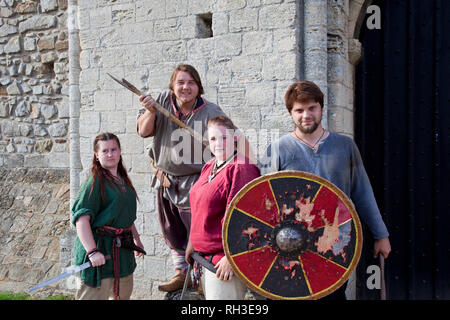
118,211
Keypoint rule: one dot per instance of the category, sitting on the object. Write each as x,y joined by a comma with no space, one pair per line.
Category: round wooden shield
292,235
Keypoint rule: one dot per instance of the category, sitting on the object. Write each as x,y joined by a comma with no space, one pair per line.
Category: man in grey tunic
176,157
330,155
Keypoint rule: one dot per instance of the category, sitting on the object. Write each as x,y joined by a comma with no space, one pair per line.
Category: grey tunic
338,160
174,151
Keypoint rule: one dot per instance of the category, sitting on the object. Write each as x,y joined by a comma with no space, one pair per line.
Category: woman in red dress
220,179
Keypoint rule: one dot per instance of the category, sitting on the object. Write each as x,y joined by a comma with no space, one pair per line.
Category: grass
24,296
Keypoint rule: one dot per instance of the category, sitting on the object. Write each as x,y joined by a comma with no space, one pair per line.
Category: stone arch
357,11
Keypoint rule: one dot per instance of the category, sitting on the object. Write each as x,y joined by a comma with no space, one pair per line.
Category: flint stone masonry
33,77
33,217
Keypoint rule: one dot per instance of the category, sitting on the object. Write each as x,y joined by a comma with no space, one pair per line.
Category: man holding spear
174,174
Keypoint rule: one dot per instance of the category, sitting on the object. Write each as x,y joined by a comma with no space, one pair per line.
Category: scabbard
203,262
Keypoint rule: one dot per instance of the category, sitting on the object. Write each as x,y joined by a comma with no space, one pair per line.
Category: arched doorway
402,117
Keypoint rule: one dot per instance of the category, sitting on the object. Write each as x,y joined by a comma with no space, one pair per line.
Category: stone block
114,121
282,66
228,5
12,160
260,94
25,129
141,164
4,109
48,111
46,43
104,100
176,8
6,12
286,40
57,130
6,30
43,146
49,57
231,96
155,267
340,120
58,159
40,131
257,42
169,29
49,5
200,48
220,23
247,68
150,10
174,51
37,90
90,123
62,4
100,17
228,45
243,20
150,53
131,144
123,13
219,71
62,45
25,7
64,108
22,109
38,22
278,16
13,45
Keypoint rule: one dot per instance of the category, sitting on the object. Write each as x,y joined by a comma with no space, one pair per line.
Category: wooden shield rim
304,175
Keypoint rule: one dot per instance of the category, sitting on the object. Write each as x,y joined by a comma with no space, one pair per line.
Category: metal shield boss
292,235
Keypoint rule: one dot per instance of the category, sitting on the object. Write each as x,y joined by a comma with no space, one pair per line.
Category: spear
158,107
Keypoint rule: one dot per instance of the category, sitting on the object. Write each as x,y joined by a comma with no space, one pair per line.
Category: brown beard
309,130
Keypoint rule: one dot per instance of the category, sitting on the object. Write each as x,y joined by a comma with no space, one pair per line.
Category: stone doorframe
331,50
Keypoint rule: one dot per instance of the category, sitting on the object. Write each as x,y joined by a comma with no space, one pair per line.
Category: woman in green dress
103,214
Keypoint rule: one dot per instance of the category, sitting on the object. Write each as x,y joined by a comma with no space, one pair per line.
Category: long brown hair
98,172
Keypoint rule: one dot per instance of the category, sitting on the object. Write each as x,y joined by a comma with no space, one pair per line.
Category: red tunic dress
209,200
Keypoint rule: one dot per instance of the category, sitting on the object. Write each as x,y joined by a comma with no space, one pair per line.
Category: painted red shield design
292,235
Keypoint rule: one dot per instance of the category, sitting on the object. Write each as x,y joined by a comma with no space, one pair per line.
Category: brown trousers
175,223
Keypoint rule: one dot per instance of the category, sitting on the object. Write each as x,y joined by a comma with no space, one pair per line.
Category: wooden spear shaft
165,112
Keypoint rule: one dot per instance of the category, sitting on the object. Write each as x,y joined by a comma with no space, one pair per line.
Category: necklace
217,167
311,146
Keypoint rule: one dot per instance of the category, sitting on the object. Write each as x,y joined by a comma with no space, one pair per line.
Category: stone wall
34,107
33,217
246,51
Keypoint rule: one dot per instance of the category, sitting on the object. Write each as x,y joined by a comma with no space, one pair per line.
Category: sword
158,107
205,263
72,270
